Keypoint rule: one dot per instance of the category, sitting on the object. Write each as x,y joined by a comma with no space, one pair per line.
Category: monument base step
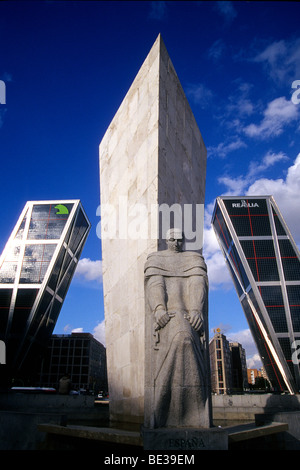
168,439
248,431
116,436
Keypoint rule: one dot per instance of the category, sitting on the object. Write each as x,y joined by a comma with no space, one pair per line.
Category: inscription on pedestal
186,444
185,439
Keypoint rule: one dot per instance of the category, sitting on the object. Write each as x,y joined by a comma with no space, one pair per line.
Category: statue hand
162,318
195,319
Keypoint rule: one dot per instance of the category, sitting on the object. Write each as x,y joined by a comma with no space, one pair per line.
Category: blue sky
67,67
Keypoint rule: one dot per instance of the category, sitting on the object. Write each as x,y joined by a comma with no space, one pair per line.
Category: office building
80,356
253,374
220,364
239,367
264,263
36,268
257,379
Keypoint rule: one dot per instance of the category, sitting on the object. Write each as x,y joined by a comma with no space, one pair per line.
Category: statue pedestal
185,439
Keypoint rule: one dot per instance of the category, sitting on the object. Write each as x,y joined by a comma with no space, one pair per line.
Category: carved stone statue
177,380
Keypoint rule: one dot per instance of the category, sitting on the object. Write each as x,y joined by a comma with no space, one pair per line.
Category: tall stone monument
152,157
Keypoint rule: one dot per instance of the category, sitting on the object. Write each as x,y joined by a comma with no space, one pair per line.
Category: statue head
175,239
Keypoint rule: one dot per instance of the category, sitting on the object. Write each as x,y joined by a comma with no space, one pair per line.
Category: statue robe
177,390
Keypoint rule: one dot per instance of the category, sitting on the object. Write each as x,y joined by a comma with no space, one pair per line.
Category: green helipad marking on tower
61,209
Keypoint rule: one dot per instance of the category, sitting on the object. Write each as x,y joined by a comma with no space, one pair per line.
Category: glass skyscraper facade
264,263
36,268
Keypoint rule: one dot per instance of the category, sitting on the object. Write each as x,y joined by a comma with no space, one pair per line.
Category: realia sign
245,204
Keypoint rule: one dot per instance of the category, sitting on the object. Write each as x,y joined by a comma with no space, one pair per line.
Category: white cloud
254,362
200,94
286,194
245,338
89,270
279,113
281,60
99,332
268,160
243,107
239,104
216,50
227,10
232,114
224,148
77,330
271,56
218,274
239,185
235,185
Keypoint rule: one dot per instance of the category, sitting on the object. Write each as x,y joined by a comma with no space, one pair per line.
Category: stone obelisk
152,154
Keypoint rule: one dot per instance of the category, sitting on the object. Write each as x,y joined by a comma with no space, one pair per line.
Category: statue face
175,244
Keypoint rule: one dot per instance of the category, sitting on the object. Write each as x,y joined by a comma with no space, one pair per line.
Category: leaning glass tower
36,268
264,263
